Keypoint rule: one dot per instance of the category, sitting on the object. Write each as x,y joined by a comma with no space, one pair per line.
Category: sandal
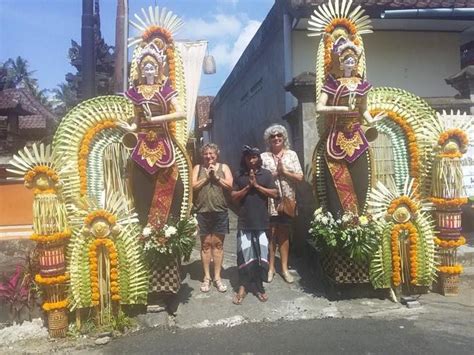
262,297
238,298
205,285
270,276
287,277
220,286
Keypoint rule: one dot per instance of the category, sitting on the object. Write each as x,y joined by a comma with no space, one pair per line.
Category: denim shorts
213,223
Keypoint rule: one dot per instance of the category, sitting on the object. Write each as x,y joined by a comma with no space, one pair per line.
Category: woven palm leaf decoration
82,138
115,229
161,21
406,254
407,115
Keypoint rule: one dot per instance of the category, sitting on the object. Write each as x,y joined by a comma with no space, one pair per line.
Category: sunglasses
279,135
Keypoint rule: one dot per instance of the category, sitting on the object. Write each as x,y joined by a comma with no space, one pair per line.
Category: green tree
64,98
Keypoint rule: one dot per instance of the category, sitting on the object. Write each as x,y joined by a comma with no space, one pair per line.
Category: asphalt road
320,336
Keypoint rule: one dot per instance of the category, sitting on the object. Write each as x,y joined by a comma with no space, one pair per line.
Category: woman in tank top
210,180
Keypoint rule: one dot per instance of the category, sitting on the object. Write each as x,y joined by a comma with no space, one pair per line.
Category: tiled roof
32,113
396,4
203,105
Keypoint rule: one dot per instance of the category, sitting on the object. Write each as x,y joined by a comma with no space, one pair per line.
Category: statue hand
128,127
379,116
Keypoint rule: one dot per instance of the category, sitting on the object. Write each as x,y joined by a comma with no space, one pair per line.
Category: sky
41,32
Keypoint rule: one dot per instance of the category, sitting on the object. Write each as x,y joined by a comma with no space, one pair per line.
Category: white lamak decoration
192,54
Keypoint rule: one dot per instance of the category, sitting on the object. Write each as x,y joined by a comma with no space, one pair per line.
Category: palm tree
64,98
18,74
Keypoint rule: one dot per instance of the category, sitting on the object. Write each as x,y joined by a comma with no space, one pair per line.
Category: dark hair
248,151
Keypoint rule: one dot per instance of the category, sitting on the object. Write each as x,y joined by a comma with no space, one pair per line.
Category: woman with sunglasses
286,169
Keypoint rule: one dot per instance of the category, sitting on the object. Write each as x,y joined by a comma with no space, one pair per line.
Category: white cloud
220,26
232,2
228,53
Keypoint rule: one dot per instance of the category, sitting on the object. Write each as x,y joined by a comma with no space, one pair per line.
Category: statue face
349,63
149,71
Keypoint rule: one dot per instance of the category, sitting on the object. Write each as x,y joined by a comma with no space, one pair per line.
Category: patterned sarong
252,257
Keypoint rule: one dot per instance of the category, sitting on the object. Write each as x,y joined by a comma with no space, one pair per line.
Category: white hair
274,129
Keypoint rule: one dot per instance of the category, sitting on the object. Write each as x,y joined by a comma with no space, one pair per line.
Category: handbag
287,206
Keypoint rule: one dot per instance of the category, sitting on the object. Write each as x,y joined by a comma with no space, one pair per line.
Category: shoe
270,276
205,285
220,286
287,277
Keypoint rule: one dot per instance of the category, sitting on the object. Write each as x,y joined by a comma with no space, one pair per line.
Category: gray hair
210,146
275,129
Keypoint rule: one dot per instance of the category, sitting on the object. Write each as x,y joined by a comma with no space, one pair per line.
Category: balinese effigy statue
341,96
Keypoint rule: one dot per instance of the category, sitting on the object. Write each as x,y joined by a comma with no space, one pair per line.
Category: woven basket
449,284
57,323
344,270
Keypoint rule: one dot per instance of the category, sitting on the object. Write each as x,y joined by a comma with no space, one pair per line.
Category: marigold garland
49,306
111,219
37,191
153,31
450,243
94,275
454,133
449,203
455,269
456,155
41,169
50,238
396,259
85,147
51,280
402,200
341,22
413,148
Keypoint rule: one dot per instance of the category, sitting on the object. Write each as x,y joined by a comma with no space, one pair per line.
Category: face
209,156
349,63
277,140
149,71
251,161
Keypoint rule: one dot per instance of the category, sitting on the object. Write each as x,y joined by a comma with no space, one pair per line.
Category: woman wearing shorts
210,180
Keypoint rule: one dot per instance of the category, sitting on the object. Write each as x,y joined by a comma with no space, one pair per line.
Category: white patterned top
292,164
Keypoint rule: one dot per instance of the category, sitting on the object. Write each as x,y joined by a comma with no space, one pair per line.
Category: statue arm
174,116
323,107
366,113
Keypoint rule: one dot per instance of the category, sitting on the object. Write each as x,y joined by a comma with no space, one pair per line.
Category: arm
197,184
295,174
227,181
272,193
240,194
322,106
366,114
174,116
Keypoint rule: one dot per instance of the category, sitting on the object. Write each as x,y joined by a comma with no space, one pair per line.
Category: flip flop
238,298
262,297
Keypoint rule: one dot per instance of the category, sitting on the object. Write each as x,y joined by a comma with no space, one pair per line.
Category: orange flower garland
51,238
449,203
413,148
51,280
100,214
455,269
450,155
402,200
396,259
341,22
454,133
49,306
41,169
154,31
94,273
450,243
85,147
328,43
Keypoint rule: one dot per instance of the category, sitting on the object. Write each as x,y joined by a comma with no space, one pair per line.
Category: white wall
414,61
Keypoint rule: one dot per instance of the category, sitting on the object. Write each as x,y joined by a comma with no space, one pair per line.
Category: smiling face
277,141
349,61
149,71
209,157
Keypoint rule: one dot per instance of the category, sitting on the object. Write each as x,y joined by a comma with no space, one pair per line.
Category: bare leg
217,254
271,249
206,243
284,243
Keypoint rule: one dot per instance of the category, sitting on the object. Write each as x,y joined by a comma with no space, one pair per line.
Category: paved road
322,336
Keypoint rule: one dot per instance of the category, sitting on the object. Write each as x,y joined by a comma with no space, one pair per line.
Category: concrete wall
253,96
414,61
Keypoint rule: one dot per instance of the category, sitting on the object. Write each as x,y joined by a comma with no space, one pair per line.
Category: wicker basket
449,284
58,323
343,270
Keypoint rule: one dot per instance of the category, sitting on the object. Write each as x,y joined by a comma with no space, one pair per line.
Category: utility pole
120,48
88,86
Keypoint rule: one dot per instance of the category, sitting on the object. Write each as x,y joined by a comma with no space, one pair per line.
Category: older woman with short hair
286,169
210,180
